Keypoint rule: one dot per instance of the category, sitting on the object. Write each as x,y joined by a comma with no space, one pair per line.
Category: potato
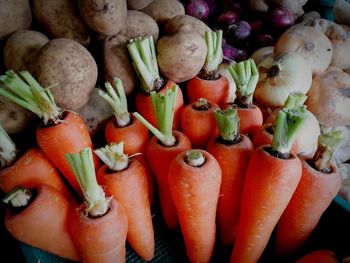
181,56
138,4
14,15
13,118
21,49
116,58
61,19
104,17
162,10
185,23
70,67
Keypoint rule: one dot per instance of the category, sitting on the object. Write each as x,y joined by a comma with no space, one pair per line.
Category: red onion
198,9
264,40
228,18
281,17
239,31
231,53
233,5
256,26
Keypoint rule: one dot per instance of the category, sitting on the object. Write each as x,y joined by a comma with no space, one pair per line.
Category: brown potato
21,49
162,10
181,56
70,67
185,23
138,4
104,17
14,15
61,19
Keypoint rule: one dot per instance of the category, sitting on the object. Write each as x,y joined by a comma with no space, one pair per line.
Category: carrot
38,216
144,61
319,256
246,75
319,184
272,176
126,128
230,148
60,132
198,122
99,226
162,149
194,179
126,180
208,83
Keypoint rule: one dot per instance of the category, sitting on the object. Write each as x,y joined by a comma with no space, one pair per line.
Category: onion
308,42
256,26
222,69
233,5
238,31
282,18
198,9
228,18
264,40
329,97
280,75
231,53
261,53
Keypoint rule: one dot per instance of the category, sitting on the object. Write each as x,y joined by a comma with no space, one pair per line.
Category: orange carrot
198,122
272,176
99,226
39,217
194,179
126,180
319,256
315,192
228,149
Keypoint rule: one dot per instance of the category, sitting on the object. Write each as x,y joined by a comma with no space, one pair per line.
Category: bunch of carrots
217,177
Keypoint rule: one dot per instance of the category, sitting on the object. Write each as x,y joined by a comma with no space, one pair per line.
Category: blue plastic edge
342,202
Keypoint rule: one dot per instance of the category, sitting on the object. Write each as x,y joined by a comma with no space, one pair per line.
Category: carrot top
327,144
118,102
82,165
287,125
246,75
194,158
214,53
295,99
8,151
18,197
113,156
164,106
228,124
25,91
144,61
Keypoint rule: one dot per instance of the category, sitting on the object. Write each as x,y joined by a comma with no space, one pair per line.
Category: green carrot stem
143,55
18,197
164,107
294,100
25,91
117,101
214,50
246,75
327,144
287,125
8,151
194,158
201,104
83,167
113,156
228,124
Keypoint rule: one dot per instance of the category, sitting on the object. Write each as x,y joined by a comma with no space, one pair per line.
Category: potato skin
181,56
68,64
162,10
185,23
14,15
138,4
104,17
61,19
21,49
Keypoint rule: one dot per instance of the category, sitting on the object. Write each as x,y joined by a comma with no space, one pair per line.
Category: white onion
261,53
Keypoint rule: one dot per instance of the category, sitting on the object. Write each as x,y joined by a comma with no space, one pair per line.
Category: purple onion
228,18
264,40
198,9
239,31
256,26
233,5
231,53
282,18
213,6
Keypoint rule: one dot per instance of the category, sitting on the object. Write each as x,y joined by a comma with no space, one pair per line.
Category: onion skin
198,9
282,18
261,53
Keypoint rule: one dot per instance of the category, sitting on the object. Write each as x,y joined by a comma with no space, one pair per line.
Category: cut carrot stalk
60,132
163,147
246,76
144,61
99,226
272,176
126,179
194,179
230,148
39,217
8,151
208,83
198,122
319,184
320,256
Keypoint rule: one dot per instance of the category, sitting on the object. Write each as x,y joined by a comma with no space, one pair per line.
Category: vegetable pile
229,117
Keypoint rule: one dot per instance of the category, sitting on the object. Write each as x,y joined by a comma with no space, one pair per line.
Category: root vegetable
185,23
162,10
138,4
